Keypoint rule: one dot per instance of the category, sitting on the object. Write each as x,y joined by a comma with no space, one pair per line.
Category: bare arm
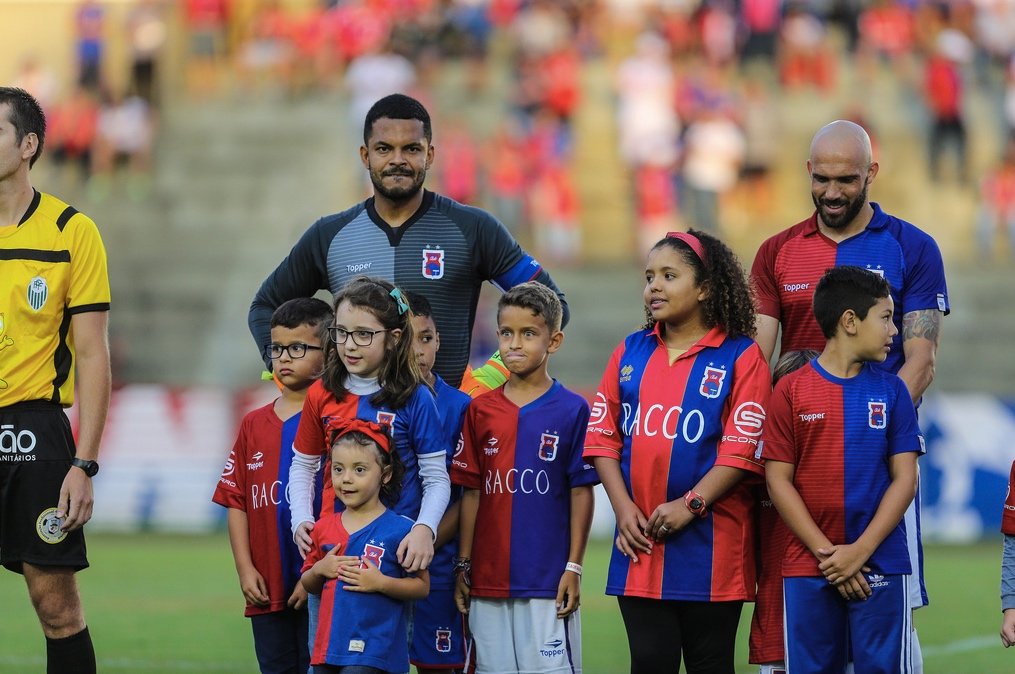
791,507
448,527
251,582
91,341
920,334
631,521
768,334
468,508
569,586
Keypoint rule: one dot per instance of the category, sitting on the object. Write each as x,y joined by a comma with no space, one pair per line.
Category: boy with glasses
254,484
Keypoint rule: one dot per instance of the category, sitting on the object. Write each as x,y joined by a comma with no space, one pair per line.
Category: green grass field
168,604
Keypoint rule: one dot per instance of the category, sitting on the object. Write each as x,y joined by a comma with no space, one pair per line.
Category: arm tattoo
925,324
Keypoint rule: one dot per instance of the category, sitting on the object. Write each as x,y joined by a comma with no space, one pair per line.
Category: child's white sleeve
302,471
433,472
1008,574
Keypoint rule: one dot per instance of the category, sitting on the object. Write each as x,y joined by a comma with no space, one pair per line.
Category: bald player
846,228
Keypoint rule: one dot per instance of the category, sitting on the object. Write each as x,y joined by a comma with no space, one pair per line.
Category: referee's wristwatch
90,467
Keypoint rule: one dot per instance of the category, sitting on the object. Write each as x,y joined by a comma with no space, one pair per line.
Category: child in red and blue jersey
527,506
253,487
439,643
674,436
371,374
840,449
364,591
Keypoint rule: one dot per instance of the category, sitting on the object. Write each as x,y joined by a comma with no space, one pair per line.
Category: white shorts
524,636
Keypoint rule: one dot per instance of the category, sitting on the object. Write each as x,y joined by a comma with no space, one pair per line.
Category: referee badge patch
38,291
48,526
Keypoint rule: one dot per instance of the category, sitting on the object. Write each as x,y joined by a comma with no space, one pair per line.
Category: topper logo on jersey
548,446
16,446
711,382
433,264
38,291
795,287
443,641
491,447
877,414
359,268
373,554
670,422
258,461
386,419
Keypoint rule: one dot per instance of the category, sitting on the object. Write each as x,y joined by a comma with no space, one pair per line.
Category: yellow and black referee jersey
52,266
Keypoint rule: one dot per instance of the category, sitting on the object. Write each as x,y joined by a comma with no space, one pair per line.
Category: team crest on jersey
443,641
373,554
548,446
48,526
877,414
876,269
711,382
433,263
386,419
38,291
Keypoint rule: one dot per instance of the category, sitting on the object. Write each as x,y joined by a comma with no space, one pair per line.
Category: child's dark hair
390,490
399,375
538,299
311,311
791,361
26,116
419,305
843,288
728,302
396,106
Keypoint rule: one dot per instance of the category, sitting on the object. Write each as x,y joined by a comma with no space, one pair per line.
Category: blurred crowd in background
695,85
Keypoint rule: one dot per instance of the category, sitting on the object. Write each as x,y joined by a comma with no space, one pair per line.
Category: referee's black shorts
36,449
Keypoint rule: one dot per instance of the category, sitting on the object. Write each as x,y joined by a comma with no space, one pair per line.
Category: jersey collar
878,221
32,207
712,339
395,234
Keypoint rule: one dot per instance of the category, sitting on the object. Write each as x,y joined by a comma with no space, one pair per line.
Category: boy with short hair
528,501
438,643
253,486
840,443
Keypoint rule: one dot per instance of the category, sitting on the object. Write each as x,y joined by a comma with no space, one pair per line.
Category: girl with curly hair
674,433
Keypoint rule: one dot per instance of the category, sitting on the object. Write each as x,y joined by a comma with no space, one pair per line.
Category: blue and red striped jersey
668,424
451,405
524,461
361,628
1008,516
255,480
416,429
839,434
788,266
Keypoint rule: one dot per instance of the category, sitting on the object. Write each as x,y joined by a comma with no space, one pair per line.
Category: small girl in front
362,626
674,433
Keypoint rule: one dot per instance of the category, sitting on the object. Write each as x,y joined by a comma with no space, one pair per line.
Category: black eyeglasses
297,350
359,337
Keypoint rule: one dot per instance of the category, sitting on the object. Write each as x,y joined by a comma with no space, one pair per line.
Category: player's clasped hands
631,524
843,566
667,519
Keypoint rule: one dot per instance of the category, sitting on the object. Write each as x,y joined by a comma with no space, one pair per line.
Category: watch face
697,504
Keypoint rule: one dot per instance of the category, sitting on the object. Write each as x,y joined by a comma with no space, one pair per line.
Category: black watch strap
90,467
